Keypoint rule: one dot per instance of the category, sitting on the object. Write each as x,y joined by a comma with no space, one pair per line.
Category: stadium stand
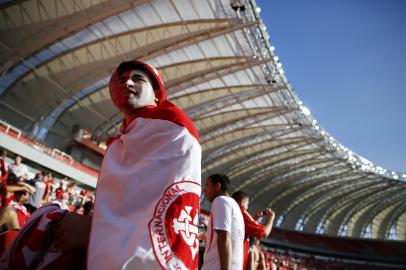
363,251
15,141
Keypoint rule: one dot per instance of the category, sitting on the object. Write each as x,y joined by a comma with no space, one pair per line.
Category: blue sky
346,60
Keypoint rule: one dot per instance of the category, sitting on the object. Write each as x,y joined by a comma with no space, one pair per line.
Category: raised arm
269,218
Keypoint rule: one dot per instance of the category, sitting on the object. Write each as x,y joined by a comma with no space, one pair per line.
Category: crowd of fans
22,192
283,259
259,257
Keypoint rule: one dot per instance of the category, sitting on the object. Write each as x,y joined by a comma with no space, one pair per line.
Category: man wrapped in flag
148,192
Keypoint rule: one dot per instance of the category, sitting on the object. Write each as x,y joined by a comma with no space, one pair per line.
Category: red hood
165,110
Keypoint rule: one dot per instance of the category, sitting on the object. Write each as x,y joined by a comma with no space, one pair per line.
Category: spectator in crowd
148,189
77,208
35,199
88,208
71,190
204,220
64,183
3,165
224,249
20,198
256,258
59,192
49,187
84,193
18,168
13,193
252,227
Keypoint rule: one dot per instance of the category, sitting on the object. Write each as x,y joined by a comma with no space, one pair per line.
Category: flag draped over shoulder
148,193
34,246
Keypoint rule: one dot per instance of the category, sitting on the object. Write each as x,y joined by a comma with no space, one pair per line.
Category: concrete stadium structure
219,65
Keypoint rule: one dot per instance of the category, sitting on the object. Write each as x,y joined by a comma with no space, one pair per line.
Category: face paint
131,90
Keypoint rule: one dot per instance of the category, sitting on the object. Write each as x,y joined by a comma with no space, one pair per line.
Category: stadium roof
219,65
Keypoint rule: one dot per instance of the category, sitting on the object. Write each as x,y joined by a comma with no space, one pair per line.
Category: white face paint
133,90
140,92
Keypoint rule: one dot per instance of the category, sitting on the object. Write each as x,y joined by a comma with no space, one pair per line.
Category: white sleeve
222,214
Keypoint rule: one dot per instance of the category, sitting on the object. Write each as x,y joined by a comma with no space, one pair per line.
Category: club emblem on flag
174,227
188,228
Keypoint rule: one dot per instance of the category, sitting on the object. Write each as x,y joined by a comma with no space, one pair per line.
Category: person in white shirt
19,169
225,235
35,199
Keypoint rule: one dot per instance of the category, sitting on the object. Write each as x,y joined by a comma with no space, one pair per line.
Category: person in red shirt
14,195
3,165
20,198
252,226
59,193
84,193
48,180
